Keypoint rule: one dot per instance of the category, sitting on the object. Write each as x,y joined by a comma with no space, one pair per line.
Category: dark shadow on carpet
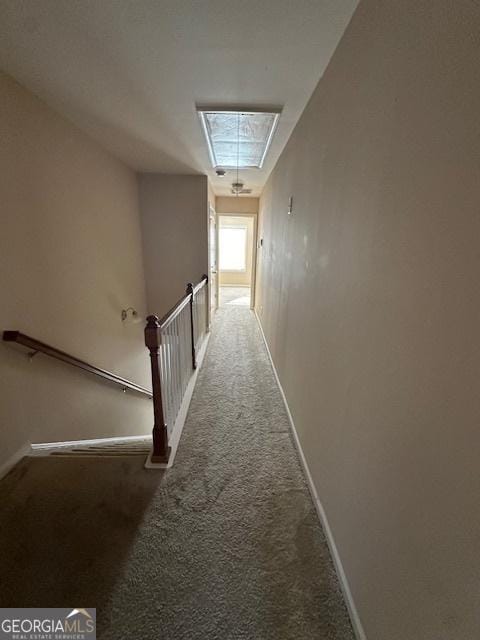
66,527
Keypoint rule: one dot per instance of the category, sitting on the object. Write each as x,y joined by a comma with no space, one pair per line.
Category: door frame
253,277
212,215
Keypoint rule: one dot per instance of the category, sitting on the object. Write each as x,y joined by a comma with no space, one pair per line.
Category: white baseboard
236,286
13,459
182,414
352,609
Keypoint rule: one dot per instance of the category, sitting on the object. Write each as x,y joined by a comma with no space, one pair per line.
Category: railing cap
153,322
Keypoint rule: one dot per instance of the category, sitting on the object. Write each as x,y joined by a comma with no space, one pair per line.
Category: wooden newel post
192,327
207,303
161,450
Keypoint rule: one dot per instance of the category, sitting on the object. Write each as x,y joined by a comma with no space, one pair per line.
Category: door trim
212,215
253,277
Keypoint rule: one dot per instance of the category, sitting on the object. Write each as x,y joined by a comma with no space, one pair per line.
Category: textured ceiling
131,72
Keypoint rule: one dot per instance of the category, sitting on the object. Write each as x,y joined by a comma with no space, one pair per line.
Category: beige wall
370,301
240,204
70,259
243,278
174,211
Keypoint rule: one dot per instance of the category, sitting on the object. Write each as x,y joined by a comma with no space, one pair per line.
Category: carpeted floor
235,296
224,546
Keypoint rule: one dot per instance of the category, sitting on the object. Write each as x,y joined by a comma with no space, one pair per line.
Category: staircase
176,345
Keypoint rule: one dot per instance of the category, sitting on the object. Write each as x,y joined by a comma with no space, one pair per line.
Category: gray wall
370,300
174,211
70,260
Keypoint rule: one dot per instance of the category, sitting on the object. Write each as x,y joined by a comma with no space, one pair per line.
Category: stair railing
35,347
174,342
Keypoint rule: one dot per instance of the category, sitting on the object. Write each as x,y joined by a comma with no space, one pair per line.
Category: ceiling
130,72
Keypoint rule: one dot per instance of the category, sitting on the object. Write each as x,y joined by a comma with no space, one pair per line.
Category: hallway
172,173
224,545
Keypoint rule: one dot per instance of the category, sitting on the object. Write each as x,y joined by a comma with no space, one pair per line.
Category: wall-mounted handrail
40,347
172,342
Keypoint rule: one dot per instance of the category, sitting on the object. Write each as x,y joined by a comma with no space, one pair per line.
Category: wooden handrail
174,311
191,296
40,347
192,291
201,284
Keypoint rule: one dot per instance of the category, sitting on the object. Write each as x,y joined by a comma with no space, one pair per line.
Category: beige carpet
235,296
226,545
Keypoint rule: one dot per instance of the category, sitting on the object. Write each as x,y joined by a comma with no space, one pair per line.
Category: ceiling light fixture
238,153
238,139
238,188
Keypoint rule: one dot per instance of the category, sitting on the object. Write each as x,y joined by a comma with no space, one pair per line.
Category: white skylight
238,138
